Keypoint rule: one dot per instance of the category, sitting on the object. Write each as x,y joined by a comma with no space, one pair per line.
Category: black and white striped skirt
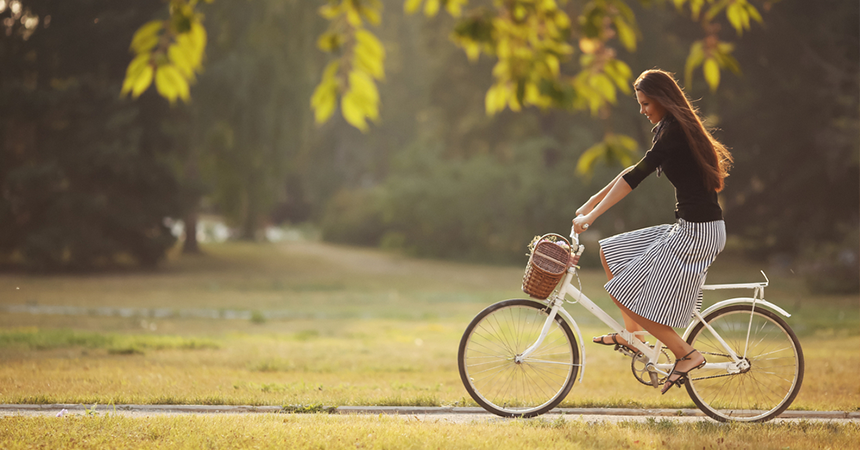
658,272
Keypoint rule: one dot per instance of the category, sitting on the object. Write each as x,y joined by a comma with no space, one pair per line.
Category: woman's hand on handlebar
581,223
585,209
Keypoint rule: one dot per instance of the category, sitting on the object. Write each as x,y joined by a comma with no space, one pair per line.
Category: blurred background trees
88,177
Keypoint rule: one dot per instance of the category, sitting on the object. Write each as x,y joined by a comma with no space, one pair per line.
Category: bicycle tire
496,381
776,369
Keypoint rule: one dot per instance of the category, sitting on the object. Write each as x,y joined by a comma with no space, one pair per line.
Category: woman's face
653,110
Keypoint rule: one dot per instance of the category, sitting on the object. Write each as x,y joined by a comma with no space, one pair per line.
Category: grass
34,339
334,326
316,431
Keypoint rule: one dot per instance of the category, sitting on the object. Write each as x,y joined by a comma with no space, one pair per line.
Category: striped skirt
658,272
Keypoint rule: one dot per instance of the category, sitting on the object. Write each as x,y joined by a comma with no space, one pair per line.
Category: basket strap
553,260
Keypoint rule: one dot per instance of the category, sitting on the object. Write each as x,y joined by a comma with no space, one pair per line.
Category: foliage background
88,178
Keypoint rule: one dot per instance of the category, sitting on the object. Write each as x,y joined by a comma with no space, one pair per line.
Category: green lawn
332,325
262,431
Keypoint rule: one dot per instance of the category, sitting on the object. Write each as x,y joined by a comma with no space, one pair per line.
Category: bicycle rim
499,383
775,365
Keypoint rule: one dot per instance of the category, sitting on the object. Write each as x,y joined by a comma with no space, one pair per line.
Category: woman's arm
599,196
617,190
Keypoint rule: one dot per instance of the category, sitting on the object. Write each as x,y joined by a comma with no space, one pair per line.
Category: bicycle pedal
624,350
655,380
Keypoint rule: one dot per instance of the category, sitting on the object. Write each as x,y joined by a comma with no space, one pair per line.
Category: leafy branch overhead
353,75
169,52
546,56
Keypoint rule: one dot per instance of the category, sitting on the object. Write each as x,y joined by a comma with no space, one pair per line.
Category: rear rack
758,287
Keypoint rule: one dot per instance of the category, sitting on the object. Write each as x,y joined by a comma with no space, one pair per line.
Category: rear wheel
488,352
767,380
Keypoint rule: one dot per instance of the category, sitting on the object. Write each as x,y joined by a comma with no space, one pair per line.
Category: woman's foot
691,361
613,339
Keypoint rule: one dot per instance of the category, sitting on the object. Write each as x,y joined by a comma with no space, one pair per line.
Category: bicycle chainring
640,368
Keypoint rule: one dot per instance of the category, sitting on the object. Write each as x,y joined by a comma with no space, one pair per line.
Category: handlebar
573,234
574,237
574,241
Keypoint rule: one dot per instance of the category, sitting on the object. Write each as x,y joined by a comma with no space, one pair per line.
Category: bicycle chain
716,376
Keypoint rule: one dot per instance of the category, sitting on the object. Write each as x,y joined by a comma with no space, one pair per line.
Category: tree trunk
190,246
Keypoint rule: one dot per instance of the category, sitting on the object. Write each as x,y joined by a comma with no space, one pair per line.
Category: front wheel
769,376
501,382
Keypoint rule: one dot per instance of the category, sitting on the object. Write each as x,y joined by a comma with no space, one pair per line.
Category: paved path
447,414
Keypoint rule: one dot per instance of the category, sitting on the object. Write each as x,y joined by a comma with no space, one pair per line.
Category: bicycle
521,357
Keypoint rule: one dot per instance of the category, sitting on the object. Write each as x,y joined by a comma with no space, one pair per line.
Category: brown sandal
614,342
682,376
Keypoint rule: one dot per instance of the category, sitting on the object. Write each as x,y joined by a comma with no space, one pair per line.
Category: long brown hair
713,157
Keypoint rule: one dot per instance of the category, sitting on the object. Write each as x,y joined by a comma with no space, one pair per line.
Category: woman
656,274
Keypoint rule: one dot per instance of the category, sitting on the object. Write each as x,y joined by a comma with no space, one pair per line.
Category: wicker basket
547,264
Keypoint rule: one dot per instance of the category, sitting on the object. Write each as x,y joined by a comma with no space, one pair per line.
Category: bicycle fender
572,322
735,301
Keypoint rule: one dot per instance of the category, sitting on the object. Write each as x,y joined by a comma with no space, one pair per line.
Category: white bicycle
521,357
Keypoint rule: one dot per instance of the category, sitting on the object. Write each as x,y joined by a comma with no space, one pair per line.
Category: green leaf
694,60
712,73
626,34
411,6
179,57
329,11
365,61
602,84
620,149
331,70
363,85
552,64
455,7
353,111
521,92
171,84
361,101
715,9
627,142
588,159
724,57
370,54
752,12
134,71
146,37
197,35
696,8
734,13
142,81
431,8
620,73
371,14
496,98
324,100
329,41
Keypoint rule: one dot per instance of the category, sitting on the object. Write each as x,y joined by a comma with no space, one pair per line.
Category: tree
86,178
533,41
794,190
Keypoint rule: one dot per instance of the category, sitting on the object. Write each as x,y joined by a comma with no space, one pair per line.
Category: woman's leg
629,323
671,340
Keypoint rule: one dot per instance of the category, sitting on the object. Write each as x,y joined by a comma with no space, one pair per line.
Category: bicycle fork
556,303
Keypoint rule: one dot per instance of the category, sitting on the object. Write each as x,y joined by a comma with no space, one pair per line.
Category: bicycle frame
557,300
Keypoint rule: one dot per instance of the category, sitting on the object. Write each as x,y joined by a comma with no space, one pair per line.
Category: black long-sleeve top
672,155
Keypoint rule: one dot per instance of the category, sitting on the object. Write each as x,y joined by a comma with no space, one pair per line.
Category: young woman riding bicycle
656,274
